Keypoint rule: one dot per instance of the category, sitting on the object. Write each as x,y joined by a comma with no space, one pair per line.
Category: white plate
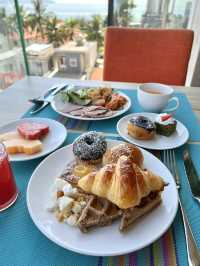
177,139
103,241
54,139
57,104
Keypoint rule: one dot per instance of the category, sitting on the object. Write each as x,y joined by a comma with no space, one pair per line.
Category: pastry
90,147
124,183
141,127
81,170
112,155
165,124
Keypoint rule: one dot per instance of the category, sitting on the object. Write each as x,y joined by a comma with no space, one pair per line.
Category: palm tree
8,27
38,18
56,34
94,30
30,22
71,24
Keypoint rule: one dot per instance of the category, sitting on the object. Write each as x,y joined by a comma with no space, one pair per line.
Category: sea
64,9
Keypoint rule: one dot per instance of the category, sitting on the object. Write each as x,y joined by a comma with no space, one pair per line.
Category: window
73,62
63,63
152,13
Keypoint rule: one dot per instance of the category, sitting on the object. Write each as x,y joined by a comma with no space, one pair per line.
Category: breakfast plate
54,139
59,106
177,139
96,242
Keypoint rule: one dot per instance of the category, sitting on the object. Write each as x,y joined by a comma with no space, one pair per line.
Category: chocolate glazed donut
90,147
141,127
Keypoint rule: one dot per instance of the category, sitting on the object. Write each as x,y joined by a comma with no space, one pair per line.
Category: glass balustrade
65,38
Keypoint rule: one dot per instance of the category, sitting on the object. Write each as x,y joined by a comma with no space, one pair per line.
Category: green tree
56,34
30,23
94,30
38,18
72,24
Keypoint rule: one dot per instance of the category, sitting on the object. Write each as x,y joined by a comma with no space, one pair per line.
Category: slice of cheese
10,135
14,143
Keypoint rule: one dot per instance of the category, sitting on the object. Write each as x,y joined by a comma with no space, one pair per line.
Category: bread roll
131,151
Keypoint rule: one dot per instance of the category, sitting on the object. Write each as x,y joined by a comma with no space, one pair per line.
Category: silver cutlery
47,93
43,101
192,249
192,175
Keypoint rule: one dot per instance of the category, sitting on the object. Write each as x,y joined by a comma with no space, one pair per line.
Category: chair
147,55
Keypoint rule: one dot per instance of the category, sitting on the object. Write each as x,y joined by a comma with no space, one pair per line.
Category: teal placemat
192,207
22,244
183,114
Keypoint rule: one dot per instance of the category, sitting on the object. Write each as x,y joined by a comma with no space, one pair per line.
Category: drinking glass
8,188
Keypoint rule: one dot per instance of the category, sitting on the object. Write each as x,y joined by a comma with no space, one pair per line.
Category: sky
82,2
73,7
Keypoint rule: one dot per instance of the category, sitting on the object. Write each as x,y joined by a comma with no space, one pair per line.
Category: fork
192,250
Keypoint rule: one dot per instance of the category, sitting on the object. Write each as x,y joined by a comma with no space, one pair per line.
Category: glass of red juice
8,188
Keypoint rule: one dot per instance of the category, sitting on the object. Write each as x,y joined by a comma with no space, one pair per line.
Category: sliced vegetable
76,97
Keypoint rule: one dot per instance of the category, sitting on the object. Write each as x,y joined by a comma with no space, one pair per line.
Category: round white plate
57,105
102,241
54,139
177,139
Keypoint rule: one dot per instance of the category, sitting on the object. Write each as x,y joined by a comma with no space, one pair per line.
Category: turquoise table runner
184,114
22,244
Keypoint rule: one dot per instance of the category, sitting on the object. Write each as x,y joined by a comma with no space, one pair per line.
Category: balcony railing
66,39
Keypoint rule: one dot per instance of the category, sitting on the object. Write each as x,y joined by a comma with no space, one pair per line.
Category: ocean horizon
64,9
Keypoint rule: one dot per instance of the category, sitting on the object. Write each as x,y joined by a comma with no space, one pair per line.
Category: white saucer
177,139
53,140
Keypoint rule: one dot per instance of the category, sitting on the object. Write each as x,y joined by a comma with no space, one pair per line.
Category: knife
47,98
192,175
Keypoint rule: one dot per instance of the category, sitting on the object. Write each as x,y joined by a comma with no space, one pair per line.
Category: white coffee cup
154,97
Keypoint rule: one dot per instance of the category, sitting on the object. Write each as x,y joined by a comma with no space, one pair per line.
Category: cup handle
170,110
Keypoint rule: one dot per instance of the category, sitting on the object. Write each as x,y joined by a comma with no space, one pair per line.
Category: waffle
131,214
98,212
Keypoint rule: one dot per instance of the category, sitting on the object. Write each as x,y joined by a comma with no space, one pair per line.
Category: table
14,100
163,250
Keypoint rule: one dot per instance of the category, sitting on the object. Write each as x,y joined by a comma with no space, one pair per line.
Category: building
40,59
11,67
187,12
75,61
153,14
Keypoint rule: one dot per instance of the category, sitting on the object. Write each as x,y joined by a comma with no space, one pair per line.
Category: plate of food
90,103
95,188
31,138
153,131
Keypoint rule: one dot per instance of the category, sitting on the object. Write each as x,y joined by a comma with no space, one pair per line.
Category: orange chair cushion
147,55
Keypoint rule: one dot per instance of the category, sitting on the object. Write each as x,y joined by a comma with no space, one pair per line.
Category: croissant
134,153
124,183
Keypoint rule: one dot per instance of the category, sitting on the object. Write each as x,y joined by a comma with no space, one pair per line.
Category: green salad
79,97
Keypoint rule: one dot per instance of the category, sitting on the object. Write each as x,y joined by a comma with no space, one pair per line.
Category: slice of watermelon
32,131
165,117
